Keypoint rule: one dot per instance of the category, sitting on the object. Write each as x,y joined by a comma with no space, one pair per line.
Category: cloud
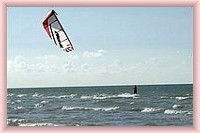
18,58
73,56
68,67
54,69
17,64
40,67
47,63
46,59
77,64
85,67
96,54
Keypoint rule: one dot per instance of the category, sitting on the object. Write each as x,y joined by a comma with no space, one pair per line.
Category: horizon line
76,86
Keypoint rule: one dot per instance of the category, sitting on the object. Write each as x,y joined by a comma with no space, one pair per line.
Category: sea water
154,105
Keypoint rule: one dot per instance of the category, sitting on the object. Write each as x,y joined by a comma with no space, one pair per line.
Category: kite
56,32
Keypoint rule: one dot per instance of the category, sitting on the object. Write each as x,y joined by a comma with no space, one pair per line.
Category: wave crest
182,98
151,110
41,104
89,108
104,96
169,111
21,95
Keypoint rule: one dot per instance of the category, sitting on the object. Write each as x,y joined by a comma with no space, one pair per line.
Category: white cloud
92,68
98,53
46,59
18,58
68,67
47,63
85,67
40,67
73,56
51,57
18,64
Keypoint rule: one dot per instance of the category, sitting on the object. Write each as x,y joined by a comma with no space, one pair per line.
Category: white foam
127,95
41,104
37,95
101,97
67,96
38,105
69,108
15,122
169,111
86,97
63,96
164,97
18,108
176,106
95,97
9,102
151,110
90,108
37,124
109,109
21,95
51,97
104,96
182,98
11,94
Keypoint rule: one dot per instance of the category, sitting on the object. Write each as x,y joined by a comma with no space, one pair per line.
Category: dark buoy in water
135,90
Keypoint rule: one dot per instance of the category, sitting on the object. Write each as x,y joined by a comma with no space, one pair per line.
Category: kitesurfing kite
56,32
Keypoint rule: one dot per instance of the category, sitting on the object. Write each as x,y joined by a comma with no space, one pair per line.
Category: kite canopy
56,32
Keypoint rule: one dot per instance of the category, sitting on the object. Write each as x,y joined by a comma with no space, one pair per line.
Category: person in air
135,90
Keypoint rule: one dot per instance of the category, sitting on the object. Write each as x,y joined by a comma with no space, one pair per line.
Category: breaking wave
19,108
89,108
41,104
67,96
21,95
104,96
37,124
178,97
23,122
37,95
62,96
182,98
16,122
177,106
170,111
11,94
152,110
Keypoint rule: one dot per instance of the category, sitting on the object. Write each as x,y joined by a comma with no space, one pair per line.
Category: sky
113,46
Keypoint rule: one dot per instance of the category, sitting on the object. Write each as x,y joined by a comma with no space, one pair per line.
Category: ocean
154,105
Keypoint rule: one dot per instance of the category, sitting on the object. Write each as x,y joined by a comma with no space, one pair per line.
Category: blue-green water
154,105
